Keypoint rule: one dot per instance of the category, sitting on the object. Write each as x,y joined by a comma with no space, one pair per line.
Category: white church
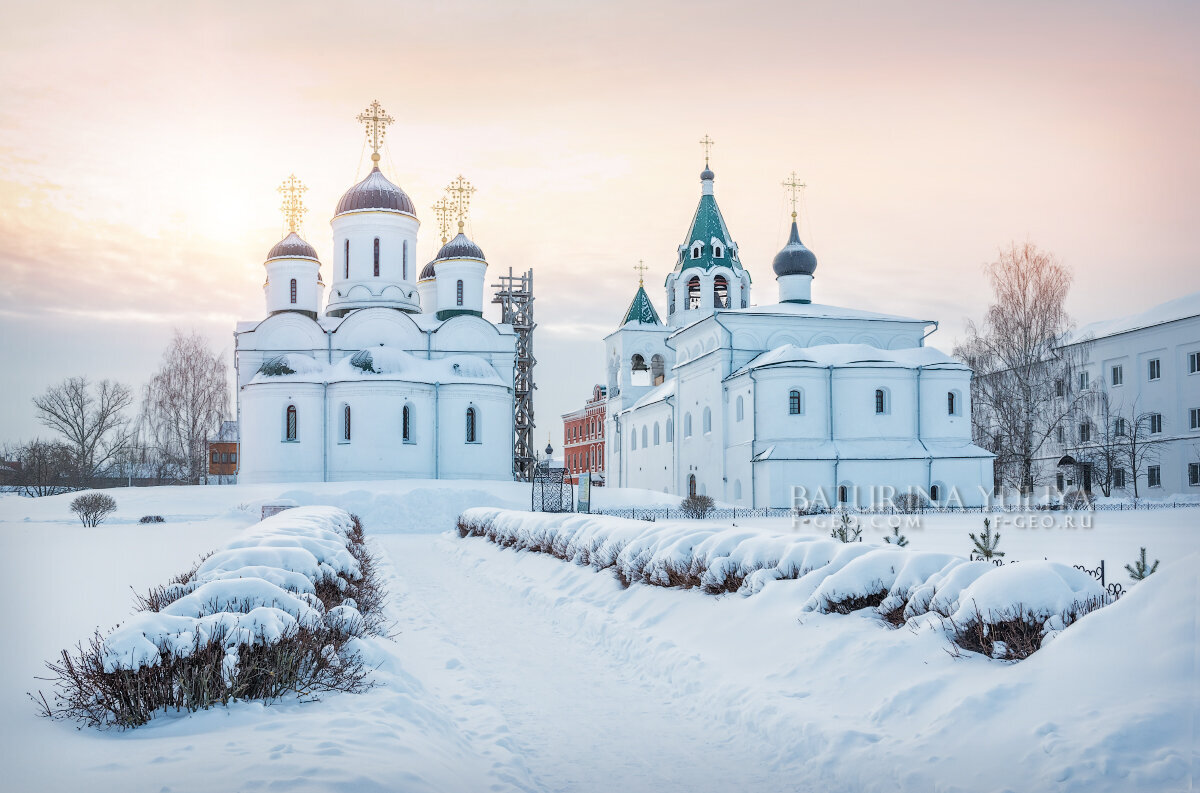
397,374
746,402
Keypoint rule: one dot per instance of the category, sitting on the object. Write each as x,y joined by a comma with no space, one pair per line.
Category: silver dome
292,247
376,192
460,247
795,258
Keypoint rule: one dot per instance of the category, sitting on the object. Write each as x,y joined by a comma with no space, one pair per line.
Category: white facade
386,384
755,401
1143,364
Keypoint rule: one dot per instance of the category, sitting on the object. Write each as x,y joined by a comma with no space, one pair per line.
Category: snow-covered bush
1005,611
151,519
277,611
93,508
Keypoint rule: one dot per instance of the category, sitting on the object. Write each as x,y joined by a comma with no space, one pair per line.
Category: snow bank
827,576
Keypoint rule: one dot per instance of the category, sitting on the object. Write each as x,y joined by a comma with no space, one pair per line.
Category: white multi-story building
1142,369
401,377
743,403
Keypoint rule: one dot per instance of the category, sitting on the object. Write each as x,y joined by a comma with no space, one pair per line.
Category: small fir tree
846,529
986,542
896,538
1139,569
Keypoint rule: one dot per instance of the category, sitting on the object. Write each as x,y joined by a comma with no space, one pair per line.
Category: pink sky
141,144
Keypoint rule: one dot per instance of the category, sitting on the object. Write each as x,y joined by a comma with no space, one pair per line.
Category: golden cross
293,208
442,211
459,192
376,120
641,270
707,143
794,186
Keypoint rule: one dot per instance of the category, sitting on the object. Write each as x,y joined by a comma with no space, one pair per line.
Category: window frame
291,424
406,424
1116,375
471,430
376,257
796,402
1154,476
1154,370
1156,423
293,294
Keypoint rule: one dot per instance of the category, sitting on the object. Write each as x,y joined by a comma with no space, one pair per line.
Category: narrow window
694,293
1119,478
741,409
1194,419
1060,388
691,484
1119,426
951,407
472,429
737,489
293,291
656,434
880,400
346,423
633,438
1155,369
404,261
346,258
1118,375
292,423
1193,474
1155,423
376,257
707,421
687,425
934,492
1193,362
406,423
1083,381
233,457
459,292
670,431
1060,435
794,403
1085,432
720,292
841,494
216,457
1059,481
1154,476
644,431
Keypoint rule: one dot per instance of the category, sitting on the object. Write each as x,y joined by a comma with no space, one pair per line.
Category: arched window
404,261
459,292
693,293
841,494
345,423
952,403
376,257
687,425
640,372
880,401
737,489
293,291
720,292
707,421
644,431
346,259
741,408
745,296
697,249
795,403
657,373
406,428
472,426
671,300
670,430
718,251
656,440
633,438
691,484
291,424
934,493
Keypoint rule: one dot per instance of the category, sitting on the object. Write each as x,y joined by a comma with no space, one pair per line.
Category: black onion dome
292,247
460,247
707,175
376,192
795,258
427,271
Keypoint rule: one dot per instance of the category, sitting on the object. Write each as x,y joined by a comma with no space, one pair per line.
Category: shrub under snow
275,612
1003,611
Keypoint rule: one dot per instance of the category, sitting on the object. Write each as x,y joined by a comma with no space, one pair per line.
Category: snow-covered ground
517,671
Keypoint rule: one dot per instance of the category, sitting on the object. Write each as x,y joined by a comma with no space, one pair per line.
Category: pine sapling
846,529
1139,569
896,538
986,542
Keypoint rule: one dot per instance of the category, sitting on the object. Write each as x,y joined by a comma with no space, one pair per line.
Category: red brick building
583,439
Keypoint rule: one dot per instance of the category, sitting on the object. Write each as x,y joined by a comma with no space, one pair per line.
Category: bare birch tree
1023,386
185,402
1140,447
91,420
1104,450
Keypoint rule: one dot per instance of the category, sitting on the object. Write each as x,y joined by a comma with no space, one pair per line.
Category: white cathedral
398,376
746,402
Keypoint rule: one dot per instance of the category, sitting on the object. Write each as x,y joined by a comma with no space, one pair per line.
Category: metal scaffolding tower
515,296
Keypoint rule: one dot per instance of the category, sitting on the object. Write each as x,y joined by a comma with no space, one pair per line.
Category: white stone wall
395,286
277,289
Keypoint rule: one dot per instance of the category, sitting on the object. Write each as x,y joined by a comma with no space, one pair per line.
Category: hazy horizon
141,145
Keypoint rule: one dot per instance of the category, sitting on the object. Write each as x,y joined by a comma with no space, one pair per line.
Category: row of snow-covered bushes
278,611
1002,611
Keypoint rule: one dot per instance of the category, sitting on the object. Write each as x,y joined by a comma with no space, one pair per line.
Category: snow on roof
820,311
1179,308
656,394
850,355
380,363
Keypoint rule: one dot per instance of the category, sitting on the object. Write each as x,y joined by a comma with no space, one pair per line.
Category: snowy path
575,710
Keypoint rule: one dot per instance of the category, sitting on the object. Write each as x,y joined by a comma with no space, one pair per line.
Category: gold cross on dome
641,271
459,192
293,208
376,120
794,186
442,211
707,143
